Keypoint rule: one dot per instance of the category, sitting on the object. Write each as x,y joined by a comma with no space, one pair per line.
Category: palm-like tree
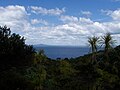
108,41
93,43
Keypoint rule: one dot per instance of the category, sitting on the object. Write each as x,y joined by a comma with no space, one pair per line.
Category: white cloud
84,27
39,21
13,12
85,21
86,13
34,21
82,20
114,14
68,18
72,30
14,17
44,11
115,0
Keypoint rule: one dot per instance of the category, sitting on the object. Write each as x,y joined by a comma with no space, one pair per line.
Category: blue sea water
63,51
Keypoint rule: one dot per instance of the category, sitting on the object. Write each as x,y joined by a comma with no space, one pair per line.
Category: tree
108,41
37,74
14,53
66,74
93,44
40,57
4,32
13,50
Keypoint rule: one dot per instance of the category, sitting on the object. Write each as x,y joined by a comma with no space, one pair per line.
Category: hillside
21,68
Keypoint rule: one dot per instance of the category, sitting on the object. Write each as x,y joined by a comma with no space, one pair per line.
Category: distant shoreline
54,52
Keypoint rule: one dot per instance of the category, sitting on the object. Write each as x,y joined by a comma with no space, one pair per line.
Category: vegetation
21,68
93,41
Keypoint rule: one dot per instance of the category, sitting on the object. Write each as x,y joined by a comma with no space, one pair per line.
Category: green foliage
108,41
37,75
14,53
13,50
21,68
12,80
40,57
93,43
66,68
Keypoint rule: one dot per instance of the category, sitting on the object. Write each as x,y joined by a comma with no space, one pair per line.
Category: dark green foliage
23,69
93,43
12,80
14,53
13,50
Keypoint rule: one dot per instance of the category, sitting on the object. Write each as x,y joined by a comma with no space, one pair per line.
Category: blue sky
61,22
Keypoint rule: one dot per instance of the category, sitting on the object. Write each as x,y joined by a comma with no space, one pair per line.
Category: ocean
55,52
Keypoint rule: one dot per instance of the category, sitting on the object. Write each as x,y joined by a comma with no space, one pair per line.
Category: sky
61,22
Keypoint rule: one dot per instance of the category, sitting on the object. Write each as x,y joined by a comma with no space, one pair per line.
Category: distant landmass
62,51
40,45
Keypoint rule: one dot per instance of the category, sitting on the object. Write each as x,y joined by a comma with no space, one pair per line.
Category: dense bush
13,50
21,68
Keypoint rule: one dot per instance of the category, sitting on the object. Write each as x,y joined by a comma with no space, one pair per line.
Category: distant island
57,51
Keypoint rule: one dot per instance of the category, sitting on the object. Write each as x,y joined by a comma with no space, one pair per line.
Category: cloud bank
71,31
44,11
